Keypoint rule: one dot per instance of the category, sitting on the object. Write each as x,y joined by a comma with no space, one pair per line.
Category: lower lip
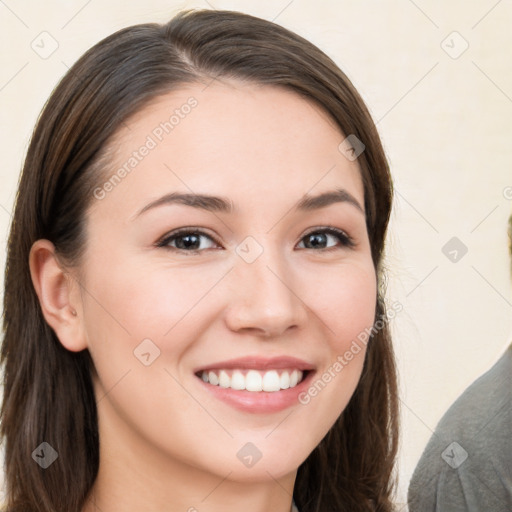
259,402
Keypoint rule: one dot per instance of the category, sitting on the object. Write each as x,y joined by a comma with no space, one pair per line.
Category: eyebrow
224,205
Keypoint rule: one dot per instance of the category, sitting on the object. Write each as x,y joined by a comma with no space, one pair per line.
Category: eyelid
331,230
162,242
347,240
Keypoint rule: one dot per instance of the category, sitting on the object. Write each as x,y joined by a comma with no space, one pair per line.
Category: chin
264,461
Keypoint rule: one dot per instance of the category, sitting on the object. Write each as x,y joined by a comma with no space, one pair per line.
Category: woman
177,336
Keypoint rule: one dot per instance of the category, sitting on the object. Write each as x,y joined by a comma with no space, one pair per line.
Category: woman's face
254,291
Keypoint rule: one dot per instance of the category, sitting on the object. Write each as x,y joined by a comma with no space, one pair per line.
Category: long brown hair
48,392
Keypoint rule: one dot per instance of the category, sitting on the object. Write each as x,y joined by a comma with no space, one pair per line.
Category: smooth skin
165,444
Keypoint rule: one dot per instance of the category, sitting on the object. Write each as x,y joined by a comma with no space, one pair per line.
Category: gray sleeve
474,486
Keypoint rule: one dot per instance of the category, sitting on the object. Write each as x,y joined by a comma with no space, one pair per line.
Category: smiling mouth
255,381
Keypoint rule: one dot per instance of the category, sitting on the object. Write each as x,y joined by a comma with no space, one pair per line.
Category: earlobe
58,295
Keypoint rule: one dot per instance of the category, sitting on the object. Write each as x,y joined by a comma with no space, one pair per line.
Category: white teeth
238,380
224,380
271,381
253,380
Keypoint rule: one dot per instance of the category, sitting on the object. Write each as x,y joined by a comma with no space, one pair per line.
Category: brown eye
320,237
186,240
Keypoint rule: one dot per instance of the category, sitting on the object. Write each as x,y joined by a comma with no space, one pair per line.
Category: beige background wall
443,111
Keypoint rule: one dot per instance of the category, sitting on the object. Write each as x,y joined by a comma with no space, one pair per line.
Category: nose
263,298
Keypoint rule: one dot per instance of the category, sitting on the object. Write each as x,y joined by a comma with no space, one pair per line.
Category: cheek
129,303
344,300
141,321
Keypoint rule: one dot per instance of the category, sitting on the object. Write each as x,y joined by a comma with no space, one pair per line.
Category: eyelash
345,240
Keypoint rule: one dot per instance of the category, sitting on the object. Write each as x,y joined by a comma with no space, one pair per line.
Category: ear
59,295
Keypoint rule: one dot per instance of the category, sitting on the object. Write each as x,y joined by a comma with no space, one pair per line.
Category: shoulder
470,450
483,405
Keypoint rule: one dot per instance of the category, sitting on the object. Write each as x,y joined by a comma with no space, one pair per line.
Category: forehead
252,142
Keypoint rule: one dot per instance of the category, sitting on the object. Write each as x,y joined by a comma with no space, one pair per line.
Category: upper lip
259,363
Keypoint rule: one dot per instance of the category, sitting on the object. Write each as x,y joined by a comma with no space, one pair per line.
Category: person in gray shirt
467,463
